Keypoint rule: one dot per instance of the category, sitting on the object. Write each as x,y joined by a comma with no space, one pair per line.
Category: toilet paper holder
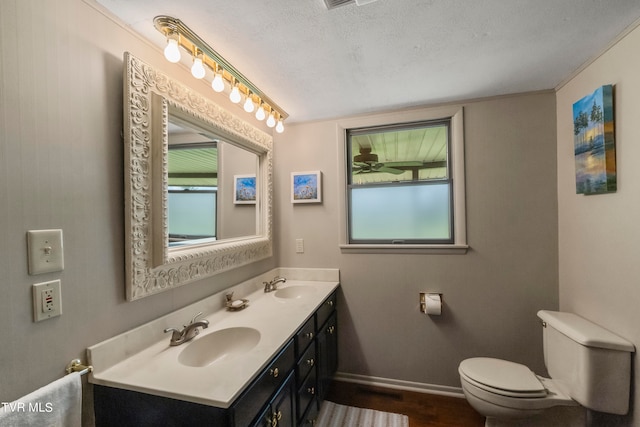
429,307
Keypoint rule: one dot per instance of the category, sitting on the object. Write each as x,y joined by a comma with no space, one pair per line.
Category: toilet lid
504,377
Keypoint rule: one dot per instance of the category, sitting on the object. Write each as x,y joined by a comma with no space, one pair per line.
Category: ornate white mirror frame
151,266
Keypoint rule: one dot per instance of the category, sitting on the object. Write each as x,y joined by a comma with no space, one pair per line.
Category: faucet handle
195,317
176,334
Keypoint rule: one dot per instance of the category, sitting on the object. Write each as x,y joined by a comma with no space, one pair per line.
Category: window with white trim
402,185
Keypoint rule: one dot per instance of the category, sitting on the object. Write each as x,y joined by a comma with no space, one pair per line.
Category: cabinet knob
309,335
330,303
331,329
275,417
311,390
274,372
310,362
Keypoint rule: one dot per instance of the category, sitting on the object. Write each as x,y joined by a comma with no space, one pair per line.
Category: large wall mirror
198,184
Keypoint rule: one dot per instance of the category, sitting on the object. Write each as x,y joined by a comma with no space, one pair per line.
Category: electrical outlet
47,300
299,246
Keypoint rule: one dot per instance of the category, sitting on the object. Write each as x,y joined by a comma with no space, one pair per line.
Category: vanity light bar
179,35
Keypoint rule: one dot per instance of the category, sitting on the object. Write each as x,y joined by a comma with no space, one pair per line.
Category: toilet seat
509,388
502,377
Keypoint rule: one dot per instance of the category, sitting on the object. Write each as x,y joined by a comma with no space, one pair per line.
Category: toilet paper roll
434,304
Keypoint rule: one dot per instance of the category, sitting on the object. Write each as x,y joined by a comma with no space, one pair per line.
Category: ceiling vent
332,4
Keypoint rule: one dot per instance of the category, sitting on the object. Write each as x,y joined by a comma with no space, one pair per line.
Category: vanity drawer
260,391
325,310
306,363
306,393
305,336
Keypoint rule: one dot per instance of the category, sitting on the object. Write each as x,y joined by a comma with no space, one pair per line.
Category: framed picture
306,187
594,144
244,189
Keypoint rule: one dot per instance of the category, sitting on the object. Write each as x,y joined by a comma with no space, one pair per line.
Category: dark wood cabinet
280,412
317,365
287,393
327,349
253,399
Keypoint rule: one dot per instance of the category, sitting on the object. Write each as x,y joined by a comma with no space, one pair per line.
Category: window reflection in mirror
200,206
192,184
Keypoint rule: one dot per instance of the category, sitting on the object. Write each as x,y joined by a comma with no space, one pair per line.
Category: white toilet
589,367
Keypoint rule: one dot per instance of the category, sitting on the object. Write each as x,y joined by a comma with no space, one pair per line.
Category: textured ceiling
317,63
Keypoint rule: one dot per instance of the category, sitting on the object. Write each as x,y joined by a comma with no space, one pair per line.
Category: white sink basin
293,292
219,345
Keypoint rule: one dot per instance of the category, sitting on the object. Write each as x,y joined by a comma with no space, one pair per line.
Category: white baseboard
400,384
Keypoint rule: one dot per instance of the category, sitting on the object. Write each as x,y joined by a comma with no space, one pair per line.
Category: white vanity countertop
142,360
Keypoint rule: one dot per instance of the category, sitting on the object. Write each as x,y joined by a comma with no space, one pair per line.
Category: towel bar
76,366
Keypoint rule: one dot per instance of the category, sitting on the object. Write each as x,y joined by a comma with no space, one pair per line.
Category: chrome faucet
188,332
273,284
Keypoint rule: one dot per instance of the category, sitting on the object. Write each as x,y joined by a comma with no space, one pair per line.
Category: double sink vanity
268,363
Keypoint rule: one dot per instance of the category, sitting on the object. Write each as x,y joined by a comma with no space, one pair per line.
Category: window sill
405,249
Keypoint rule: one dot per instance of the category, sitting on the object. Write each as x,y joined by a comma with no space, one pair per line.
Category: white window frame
455,113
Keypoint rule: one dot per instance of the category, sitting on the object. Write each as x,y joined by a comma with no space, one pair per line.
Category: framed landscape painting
306,187
594,143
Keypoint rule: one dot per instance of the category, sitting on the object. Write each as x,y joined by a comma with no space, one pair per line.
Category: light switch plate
45,251
47,300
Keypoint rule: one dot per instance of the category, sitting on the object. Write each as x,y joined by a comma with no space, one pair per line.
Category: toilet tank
588,362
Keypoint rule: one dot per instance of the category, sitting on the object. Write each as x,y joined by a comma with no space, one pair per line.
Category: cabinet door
259,394
284,404
311,417
125,408
327,342
281,410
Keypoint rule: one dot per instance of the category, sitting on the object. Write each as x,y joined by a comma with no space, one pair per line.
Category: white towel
58,404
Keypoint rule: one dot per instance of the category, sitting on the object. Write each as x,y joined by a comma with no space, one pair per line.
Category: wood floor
423,410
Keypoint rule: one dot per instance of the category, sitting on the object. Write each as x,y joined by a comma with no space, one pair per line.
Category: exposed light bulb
172,51
280,126
271,121
235,96
261,114
249,105
197,69
218,83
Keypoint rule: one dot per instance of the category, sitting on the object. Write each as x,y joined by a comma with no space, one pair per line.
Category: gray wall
236,220
491,294
599,235
61,166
